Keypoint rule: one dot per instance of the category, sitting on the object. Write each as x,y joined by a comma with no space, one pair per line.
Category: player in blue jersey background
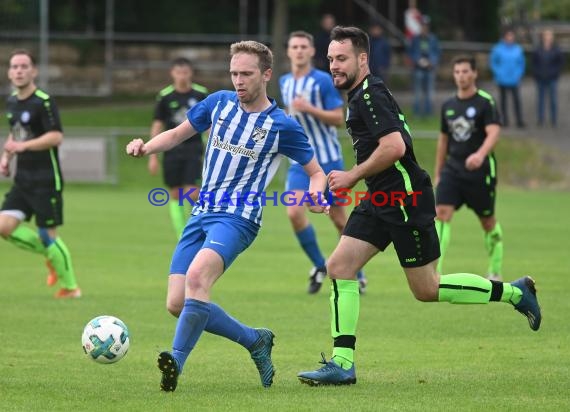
249,135
311,98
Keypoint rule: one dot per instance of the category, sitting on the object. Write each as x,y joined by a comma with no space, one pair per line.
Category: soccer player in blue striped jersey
248,136
311,98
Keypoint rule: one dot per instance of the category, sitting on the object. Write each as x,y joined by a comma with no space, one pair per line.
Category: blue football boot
261,355
528,304
330,374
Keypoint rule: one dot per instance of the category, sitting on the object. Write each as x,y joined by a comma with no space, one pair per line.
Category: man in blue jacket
508,65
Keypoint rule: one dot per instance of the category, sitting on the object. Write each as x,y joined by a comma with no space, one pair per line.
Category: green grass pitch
411,356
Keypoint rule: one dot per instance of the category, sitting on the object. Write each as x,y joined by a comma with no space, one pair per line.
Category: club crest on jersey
222,122
25,117
259,134
461,129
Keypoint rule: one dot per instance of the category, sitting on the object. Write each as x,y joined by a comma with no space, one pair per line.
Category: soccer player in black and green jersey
35,134
465,166
182,165
385,160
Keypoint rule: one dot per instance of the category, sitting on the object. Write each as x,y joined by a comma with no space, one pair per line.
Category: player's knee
6,230
175,308
488,224
175,193
425,295
443,214
337,266
297,217
196,282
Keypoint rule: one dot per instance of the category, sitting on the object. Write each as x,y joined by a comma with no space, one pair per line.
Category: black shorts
415,245
45,204
477,194
183,167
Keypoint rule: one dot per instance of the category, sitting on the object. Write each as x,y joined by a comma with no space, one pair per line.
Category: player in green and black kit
182,165
385,160
35,134
465,167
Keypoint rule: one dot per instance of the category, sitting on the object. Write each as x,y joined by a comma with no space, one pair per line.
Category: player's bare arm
162,142
440,155
390,149
475,160
156,128
334,117
317,184
44,142
5,163
6,158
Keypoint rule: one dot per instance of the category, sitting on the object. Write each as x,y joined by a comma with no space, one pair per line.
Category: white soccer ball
105,339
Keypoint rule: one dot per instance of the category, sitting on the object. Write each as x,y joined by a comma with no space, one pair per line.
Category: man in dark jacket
547,63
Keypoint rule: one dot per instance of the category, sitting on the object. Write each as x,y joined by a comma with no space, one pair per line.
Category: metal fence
87,155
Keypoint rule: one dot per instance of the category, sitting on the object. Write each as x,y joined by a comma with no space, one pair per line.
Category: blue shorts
297,179
226,234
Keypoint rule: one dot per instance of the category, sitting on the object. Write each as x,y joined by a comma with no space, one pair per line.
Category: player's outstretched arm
162,142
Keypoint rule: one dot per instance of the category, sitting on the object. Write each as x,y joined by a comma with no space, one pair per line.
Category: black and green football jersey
464,122
371,114
172,106
29,119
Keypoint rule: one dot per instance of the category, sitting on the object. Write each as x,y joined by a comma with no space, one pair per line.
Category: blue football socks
190,326
222,324
308,240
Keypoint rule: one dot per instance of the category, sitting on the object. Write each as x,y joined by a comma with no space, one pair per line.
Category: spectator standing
508,66
424,53
322,40
380,52
547,63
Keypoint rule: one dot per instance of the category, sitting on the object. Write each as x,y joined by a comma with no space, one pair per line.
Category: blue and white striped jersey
243,153
317,88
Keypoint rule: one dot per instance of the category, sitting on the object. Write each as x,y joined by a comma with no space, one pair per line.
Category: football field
410,355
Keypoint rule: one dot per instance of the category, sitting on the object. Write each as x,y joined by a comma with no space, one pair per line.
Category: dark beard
350,80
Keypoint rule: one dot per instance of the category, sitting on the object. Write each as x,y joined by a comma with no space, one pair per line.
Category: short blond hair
258,49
